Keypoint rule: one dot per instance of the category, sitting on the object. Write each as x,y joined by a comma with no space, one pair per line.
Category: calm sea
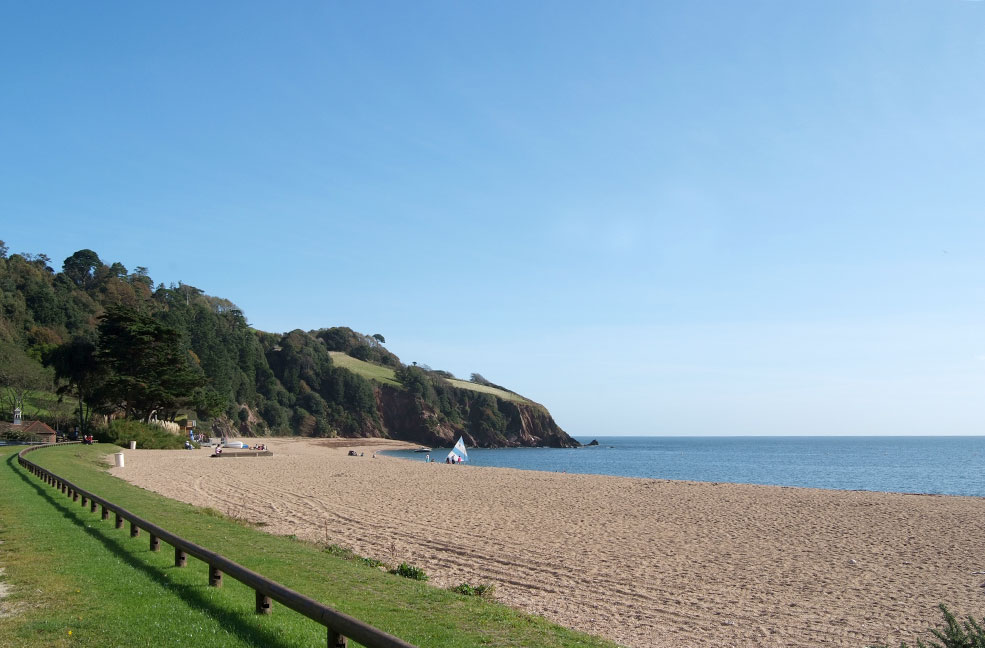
941,465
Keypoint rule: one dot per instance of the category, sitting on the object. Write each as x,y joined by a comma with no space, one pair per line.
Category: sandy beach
643,562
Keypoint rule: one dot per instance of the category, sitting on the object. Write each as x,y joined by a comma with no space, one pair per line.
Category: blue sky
654,218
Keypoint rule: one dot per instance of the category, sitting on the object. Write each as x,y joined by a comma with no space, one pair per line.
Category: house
26,430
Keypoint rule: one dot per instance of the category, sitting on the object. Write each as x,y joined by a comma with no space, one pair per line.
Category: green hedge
148,437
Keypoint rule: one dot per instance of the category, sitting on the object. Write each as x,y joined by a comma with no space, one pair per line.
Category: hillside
387,376
114,344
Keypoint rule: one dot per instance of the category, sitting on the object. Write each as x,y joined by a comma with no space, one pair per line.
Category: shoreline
677,481
646,562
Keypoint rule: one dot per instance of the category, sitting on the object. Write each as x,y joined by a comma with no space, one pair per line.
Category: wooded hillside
111,343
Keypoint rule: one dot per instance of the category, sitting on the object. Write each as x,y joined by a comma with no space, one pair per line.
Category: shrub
481,590
149,437
955,634
409,571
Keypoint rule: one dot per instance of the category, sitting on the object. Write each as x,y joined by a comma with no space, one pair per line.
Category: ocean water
938,465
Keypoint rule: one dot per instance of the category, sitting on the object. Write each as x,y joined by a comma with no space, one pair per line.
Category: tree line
95,340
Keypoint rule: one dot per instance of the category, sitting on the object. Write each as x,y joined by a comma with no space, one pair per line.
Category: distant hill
113,343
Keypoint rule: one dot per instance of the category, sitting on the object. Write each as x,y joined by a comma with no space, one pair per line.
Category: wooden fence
339,626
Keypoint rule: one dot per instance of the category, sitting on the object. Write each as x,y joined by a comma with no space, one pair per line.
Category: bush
955,634
466,589
149,437
409,571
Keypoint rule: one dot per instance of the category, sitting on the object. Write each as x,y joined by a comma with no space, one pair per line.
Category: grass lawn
385,375
74,580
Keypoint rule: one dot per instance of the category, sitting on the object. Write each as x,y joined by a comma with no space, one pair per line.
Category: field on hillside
505,395
365,369
385,375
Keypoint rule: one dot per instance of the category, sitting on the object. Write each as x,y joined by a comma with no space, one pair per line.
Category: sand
640,561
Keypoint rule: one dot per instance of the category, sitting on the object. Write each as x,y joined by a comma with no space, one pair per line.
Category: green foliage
178,351
148,368
409,571
363,347
418,382
955,634
80,268
148,437
19,375
482,590
82,377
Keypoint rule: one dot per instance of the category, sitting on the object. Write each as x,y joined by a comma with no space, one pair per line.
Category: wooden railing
339,626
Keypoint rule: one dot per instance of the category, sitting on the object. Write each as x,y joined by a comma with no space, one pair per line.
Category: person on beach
427,458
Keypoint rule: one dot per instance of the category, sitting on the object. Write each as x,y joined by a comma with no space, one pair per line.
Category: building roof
28,427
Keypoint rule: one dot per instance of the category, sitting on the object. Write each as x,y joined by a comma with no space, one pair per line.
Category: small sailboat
458,454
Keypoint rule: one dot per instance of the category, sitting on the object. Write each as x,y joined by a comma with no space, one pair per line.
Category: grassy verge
74,580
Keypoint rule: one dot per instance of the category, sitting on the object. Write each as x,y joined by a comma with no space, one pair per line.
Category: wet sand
643,562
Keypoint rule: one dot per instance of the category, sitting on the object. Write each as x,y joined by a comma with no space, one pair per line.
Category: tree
19,375
81,267
148,368
379,338
75,363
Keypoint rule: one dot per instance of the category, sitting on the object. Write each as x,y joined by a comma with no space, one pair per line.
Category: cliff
484,421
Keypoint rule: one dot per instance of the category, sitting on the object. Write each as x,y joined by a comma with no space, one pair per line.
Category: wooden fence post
215,576
335,640
75,496
119,521
155,543
85,500
92,506
134,530
264,604
105,515
180,557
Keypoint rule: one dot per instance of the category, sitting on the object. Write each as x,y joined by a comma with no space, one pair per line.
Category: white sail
459,452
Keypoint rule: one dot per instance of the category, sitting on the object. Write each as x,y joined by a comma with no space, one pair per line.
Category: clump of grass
482,590
211,512
340,551
409,571
346,553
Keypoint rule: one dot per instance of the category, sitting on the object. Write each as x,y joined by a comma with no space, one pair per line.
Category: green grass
385,375
365,369
38,404
77,581
505,395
